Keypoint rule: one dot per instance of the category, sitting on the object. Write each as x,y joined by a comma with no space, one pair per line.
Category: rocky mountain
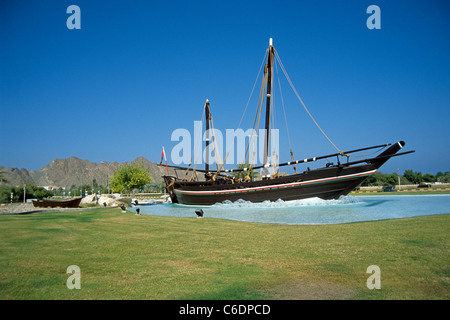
74,171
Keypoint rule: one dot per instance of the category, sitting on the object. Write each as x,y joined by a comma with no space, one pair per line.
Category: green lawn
125,256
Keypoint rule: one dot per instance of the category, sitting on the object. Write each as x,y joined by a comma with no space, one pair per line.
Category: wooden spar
192,169
301,161
269,68
208,118
310,159
290,163
381,157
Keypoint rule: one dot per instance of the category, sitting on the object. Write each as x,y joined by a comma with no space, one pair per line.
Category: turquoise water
313,211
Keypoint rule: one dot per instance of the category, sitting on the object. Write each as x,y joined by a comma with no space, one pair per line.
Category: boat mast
208,118
269,71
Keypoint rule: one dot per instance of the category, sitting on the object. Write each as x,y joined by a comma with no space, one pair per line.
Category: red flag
163,155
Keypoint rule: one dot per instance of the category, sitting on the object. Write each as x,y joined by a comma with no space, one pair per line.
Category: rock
16,208
90,199
111,200
106,201
124,201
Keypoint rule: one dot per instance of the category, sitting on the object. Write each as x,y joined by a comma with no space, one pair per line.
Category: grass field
126,256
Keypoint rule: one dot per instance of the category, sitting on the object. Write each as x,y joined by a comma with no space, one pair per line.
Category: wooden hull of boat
324,183
73,203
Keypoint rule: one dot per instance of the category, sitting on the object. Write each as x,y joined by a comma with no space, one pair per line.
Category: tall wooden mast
207,118
269,71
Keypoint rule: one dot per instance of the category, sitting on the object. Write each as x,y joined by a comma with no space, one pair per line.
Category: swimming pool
313,211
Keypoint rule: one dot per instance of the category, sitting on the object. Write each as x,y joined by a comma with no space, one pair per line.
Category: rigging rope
251,93
256,126
274,156
219,168
256,122
301,101
257,118
215,148
285,118
369,154
196,158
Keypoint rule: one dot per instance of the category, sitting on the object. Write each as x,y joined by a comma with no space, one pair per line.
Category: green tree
427,177
410,176
413,177
244,174
130,177
376,179
390,180
31,192
419,177
154,187
5,194
37,192
443,177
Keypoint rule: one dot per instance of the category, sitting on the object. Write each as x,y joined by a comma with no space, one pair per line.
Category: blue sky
138,70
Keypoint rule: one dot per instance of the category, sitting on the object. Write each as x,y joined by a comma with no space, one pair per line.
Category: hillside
74,171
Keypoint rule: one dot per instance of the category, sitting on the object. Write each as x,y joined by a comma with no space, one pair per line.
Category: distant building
51,188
